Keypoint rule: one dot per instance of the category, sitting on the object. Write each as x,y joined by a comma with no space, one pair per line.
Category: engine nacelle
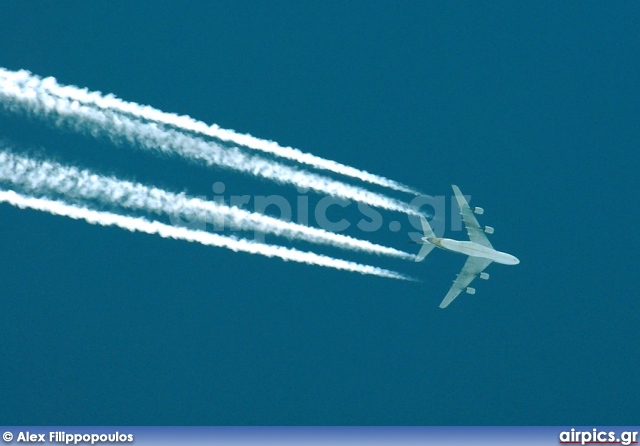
478,210
488,229
484,276
470,290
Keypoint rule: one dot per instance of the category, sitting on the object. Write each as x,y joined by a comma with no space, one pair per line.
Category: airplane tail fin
426,249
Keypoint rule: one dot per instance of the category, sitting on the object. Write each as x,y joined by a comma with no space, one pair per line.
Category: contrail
46,176
134,224
27,97
111,102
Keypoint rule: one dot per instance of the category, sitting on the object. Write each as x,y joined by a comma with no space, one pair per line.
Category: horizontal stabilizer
426,249
426,228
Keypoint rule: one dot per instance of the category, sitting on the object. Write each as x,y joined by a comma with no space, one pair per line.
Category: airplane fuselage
472,249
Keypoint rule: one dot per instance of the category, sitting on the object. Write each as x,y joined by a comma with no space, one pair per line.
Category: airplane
480,251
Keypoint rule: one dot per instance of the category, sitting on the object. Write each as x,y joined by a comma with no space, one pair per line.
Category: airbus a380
478,248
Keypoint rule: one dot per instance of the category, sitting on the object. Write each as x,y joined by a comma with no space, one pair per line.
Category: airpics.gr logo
598,437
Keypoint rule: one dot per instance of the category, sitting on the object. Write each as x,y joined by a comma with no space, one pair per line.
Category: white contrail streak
111,102
135,224
26,95
45,176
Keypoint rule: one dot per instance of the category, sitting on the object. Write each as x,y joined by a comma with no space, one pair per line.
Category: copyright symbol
7,436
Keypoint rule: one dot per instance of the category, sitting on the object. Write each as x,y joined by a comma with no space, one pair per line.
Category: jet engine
488,229
470,290
478,210
484,276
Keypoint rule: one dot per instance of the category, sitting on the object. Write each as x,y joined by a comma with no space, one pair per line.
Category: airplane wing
475,232
471,269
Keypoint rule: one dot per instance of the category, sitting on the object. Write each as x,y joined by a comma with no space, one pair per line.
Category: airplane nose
515,260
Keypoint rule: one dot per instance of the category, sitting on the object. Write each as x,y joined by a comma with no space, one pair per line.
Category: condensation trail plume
111,102
45,176
20,95
136,224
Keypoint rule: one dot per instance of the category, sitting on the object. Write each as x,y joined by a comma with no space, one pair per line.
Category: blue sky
531,109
